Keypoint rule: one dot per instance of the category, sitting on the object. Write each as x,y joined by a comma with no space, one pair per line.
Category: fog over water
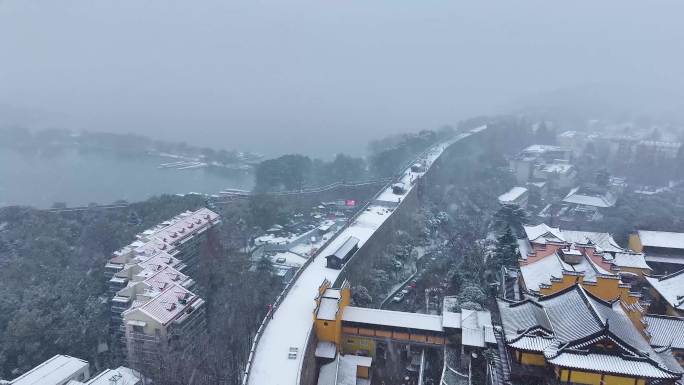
320,77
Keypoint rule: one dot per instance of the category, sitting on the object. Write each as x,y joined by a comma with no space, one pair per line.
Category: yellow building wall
532,359
351,345
635,243
605,288
585,378
566,281
331,330
362,372
616,380
327,330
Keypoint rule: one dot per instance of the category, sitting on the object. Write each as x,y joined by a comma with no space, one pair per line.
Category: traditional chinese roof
671,288
665,331
628,260
542,272
542,233
589,198
566,326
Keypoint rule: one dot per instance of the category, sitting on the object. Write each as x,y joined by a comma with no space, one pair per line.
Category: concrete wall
309,373
357,268
359,265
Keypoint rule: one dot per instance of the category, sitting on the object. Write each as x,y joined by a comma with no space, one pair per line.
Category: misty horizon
323,78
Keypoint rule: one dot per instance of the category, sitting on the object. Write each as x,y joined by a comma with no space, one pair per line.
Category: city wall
360,264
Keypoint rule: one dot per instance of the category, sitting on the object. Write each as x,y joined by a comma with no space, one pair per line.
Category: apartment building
153,297
544,163
67,370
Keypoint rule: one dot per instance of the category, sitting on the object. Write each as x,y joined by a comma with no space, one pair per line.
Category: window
137,329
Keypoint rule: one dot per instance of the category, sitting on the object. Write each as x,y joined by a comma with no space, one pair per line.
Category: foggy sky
316,76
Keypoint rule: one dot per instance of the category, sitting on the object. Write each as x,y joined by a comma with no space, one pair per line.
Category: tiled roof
567,322
629,260
590,199
539,273
638,367
169,304
512,194
543,231
603,240
665,330
671,288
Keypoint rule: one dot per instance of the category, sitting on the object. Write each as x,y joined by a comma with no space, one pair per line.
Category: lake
40,178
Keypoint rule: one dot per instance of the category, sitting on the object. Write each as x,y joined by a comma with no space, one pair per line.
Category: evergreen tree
510,216
506,252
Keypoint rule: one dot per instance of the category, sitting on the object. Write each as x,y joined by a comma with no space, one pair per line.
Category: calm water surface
39,179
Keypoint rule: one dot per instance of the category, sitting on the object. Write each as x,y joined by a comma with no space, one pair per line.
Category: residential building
552,259
545,163
663,249
574,140
590,197
515,196
560,174
179,237
66,370
58,370
153,303
155,326
573,336
668,292
119,376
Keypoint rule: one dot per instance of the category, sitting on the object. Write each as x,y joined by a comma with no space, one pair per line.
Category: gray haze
318,76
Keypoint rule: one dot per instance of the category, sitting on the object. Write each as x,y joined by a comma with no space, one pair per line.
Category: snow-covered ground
293,319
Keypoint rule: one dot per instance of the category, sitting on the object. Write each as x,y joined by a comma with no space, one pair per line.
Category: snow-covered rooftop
339,372
512,195
393,318
119,376
630,260
541,148
55,371
671,288
560,168
288,258
662,239
577,196
533,233
476,328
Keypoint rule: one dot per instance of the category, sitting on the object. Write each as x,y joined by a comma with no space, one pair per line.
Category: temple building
349,338
573,336
552,259
668,293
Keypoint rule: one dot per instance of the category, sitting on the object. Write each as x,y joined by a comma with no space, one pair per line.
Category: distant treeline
386,157
55,139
